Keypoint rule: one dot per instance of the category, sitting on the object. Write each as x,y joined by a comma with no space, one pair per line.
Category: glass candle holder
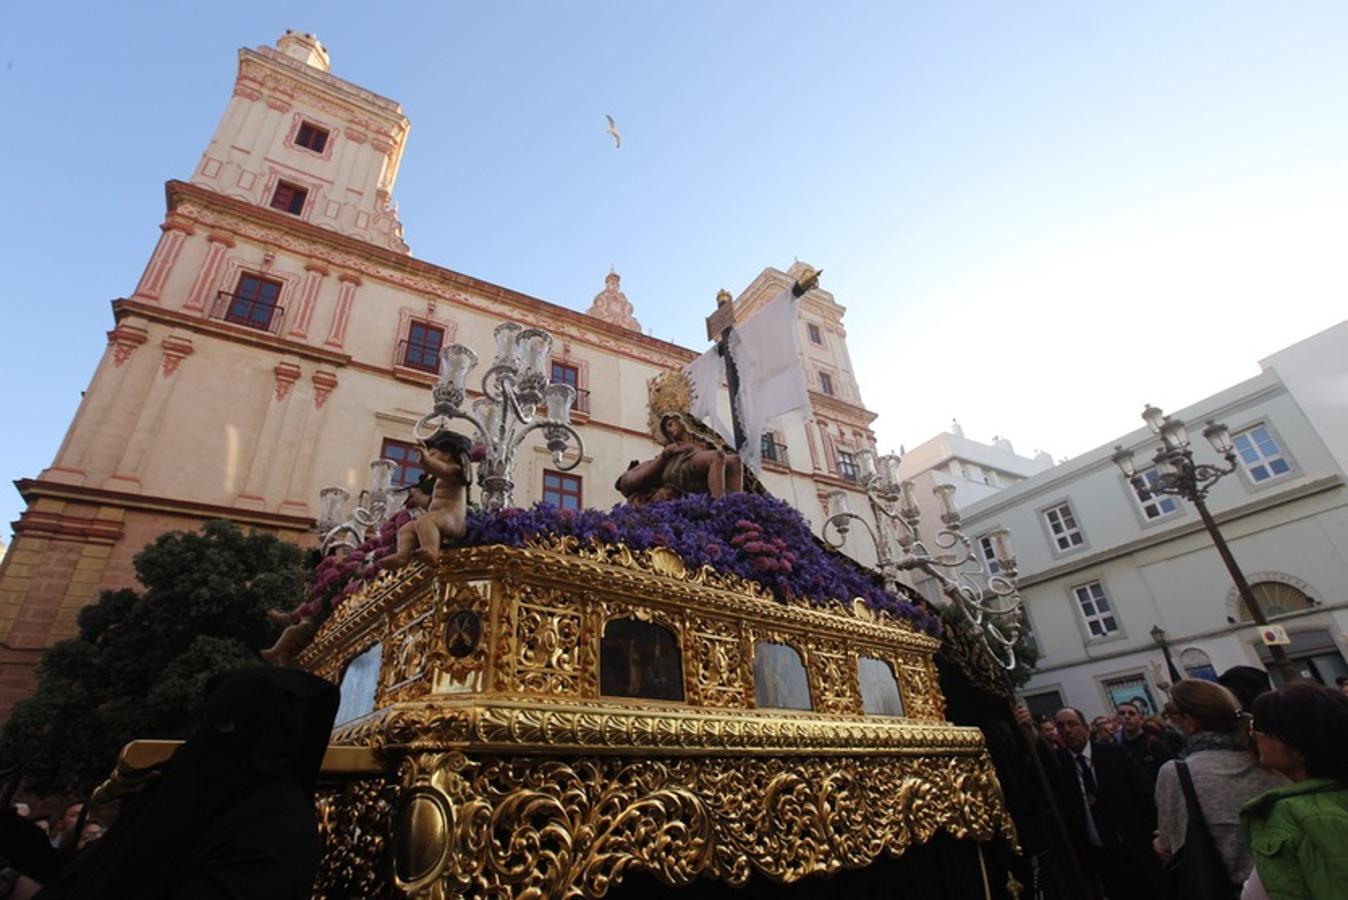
865,460
532,348
505,334
560,398
457,360
330,503
889,471
381,476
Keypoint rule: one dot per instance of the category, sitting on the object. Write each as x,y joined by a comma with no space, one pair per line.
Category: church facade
282,337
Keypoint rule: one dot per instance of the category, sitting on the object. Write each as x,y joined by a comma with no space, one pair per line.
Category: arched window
1275,599
780,681
1197,664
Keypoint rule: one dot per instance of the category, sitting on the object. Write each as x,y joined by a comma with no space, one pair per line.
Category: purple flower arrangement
758,538
761,539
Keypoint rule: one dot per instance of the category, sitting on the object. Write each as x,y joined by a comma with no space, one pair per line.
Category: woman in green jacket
1298,834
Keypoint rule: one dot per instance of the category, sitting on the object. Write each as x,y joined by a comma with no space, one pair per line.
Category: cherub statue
444,455
688,464
302,621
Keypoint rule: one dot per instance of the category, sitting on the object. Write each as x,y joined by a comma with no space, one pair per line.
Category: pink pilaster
217,243
337,333
308,299
175,231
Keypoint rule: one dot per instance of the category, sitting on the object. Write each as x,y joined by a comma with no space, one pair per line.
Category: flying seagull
612,129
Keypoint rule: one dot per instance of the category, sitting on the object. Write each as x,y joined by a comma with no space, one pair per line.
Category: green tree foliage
142,659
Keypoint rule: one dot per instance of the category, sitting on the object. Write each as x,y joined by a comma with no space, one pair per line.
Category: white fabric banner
707,373
772,380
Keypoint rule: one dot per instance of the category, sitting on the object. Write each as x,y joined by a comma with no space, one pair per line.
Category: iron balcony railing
250,312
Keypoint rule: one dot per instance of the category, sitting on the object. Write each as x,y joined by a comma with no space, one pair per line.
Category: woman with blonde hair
1222,769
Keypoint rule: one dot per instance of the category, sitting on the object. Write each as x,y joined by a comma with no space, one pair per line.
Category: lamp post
994,607
1158,635
1179,475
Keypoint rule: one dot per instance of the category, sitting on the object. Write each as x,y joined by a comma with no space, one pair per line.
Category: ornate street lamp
513,388
994,607
1158,635
1179,475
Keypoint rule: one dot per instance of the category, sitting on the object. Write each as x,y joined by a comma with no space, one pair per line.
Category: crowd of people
1234,791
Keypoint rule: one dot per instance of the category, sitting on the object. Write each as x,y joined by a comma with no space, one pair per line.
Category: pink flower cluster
770,555
343,573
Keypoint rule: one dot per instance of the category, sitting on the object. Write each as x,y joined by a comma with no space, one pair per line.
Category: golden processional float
577,698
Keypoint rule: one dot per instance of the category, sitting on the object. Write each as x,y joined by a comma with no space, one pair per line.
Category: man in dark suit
1106,799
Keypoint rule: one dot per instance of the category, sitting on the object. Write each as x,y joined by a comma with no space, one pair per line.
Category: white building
977,471
1102,564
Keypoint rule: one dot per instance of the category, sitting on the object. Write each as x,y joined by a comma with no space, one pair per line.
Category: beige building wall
192,414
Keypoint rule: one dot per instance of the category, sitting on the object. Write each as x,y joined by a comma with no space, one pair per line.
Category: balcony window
421,349
566,373
1095,610
408,458
561,490
847,466
773,451
289,198
252,304
311,137
826,383
1260,454
1154,506
989,554
1062,525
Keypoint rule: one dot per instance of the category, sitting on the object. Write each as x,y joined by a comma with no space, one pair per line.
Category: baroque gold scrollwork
355,822
719,669
532,827
547,642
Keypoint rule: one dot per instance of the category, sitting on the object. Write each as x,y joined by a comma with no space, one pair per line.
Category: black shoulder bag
1197,871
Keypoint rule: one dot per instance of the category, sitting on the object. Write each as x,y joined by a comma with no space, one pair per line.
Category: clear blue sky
1016,202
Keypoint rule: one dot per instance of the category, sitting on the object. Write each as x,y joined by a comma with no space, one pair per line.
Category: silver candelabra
512,388
372,509
994,607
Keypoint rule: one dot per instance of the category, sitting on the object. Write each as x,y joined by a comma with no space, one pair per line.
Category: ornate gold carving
833,669
547,642
355,824
511,725
531,827
459,659
407,654
919,687
720,667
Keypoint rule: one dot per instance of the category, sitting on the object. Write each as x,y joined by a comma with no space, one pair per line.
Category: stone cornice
122,308
206,207
31,489
841,410
290,77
